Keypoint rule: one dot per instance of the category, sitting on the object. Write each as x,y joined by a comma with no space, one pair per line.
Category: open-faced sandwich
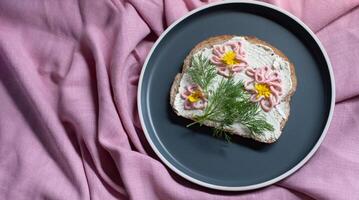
237,85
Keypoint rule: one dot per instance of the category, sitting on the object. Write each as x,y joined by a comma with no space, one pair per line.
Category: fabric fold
69,125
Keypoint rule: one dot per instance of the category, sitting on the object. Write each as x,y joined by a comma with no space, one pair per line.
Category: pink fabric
69,126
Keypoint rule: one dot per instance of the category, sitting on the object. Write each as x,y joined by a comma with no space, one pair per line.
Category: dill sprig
202,71
228,103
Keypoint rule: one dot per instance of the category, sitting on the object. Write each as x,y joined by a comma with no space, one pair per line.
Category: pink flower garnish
194,98
265,87
229,58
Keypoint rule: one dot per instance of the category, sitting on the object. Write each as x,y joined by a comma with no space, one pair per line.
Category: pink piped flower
194,98
229,58
265,87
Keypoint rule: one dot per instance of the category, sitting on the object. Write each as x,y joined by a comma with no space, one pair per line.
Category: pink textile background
69,125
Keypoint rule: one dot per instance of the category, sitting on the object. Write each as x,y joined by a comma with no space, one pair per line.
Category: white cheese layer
256,56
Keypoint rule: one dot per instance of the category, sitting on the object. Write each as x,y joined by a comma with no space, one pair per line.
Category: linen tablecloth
69,126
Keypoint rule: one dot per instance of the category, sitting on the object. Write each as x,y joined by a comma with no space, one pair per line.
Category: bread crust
208,43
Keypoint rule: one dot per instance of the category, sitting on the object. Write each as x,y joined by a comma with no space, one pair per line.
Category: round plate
243,164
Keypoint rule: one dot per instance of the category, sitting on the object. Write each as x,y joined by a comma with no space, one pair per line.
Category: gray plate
243,164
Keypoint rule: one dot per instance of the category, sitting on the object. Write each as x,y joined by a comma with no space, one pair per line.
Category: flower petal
216,60
192,88
264,105
198,105
274,100
255,98
185,94
239,67
243,64
224,71
236,68
188,105
216,52
250,72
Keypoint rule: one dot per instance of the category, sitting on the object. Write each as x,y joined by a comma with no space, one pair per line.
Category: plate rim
253,186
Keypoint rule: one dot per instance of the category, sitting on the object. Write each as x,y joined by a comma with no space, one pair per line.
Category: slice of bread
255,46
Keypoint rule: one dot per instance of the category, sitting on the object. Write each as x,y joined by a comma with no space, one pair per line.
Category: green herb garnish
202,71
228,103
